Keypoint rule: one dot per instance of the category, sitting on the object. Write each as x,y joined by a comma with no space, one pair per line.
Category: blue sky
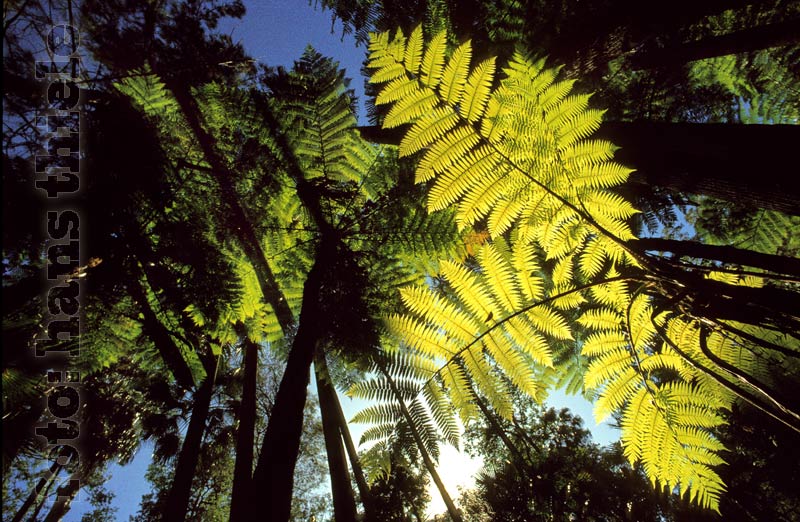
277,33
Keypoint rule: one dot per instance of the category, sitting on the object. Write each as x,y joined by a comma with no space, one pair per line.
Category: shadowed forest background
594,196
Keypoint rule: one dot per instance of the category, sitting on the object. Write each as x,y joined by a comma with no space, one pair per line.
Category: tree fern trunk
429,465
274,474
344,506
158,333
245,437
238,222
178,499
355,463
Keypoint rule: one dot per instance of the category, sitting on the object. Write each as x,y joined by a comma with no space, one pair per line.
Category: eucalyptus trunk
355,463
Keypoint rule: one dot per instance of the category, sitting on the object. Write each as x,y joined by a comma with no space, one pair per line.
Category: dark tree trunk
158,333
355,464
42,500
245,437
739,163
426,459
588,42
238,223
41,488
344,505
726,254
519,459
66,494
750,39
178,499
274,474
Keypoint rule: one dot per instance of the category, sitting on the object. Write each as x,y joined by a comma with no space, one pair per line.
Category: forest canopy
538,202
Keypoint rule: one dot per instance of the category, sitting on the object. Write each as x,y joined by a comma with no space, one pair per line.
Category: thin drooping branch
742,394
745,379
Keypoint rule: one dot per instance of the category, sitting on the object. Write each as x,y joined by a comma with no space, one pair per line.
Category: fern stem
526,309
742,394
748,380
451,507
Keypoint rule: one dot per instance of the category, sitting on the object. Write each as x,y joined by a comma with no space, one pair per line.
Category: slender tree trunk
726,254
238,222
66,494
158,333
245,437
750,39
344,505
41,488
42,500
274,474
429,465
180,493
355,463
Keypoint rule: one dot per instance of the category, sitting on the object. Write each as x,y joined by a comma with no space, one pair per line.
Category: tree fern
519,157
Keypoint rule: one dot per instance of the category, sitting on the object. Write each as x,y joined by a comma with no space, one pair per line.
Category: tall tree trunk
274,474
178,498
158,333
750,39
355,463
238,223
344,505
710,159
41,488
245,437
66,494
429,465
